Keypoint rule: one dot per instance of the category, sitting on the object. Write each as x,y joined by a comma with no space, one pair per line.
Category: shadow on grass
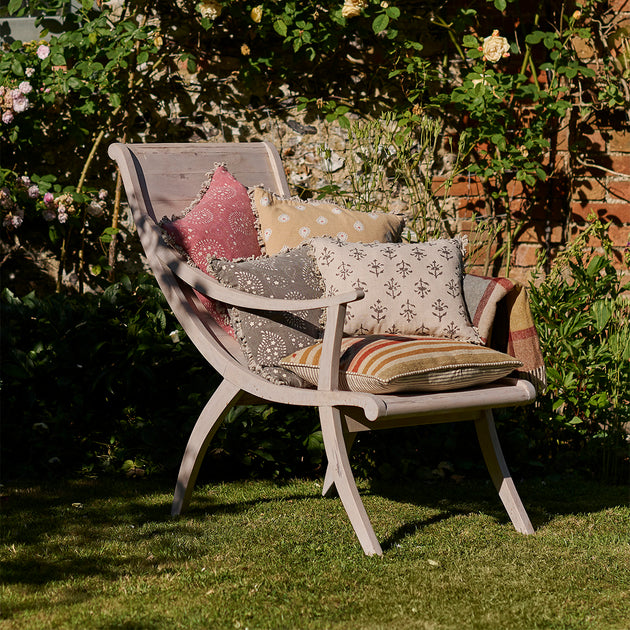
543,499
71,529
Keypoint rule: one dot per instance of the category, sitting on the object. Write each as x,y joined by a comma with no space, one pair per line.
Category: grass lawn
106,554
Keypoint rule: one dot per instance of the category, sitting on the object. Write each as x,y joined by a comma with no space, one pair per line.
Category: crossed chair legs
337,443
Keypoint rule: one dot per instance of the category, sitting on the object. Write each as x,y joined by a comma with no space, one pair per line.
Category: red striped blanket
499,307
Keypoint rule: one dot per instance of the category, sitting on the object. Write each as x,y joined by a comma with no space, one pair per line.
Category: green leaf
114,100
500,5
571,72
344,123
535,37
16,68
470,41
280,27
14,5
602,309
380,23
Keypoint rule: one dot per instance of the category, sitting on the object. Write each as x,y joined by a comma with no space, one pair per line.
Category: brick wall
593,181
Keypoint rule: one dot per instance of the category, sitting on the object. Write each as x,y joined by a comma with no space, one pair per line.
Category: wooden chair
162,179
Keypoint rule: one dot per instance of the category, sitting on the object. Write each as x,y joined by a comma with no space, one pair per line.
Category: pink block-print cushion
219,223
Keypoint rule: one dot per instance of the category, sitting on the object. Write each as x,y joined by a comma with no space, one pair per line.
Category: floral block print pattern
286,223
265,336
219,223
410,288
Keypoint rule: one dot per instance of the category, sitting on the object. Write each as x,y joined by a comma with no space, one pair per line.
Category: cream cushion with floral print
286,223
410,288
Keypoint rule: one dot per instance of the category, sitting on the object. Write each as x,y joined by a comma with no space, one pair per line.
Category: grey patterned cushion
410,288
266,336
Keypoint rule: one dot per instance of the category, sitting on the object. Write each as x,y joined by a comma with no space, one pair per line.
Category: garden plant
472,89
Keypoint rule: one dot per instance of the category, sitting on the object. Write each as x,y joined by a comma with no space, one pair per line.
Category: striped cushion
383,364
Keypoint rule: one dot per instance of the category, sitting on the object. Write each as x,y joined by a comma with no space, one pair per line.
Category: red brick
617,6
620,163
461,187
619,141
562,139
596,141
619,189
589,189
617,212
526,255
536,233
477,250
469,207
521,274
549,209
619,235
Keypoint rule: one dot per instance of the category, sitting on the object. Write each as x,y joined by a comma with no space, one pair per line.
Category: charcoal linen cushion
267,336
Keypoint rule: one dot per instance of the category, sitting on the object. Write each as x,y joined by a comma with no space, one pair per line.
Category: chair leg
210,419
493,455
343,479
329,481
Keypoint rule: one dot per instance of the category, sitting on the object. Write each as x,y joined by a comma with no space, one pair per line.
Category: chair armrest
209,286
335,310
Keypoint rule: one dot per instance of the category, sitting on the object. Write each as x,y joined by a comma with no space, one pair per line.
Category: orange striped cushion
391,363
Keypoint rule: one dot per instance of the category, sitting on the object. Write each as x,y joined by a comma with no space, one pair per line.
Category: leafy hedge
109,382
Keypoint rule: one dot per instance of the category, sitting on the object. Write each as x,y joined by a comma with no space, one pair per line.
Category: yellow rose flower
210,9
256,13
494,47
353,8
245,51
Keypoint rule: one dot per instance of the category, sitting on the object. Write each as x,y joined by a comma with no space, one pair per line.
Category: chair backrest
171,175
162,180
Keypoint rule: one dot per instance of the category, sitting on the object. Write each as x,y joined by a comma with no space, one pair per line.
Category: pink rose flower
7,117
43,51
20,102
49,198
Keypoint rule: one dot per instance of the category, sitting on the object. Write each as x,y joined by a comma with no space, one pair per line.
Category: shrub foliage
87,362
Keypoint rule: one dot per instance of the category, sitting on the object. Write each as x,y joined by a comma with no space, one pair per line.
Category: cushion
285,223
265,336
383,364
410,288
219,223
